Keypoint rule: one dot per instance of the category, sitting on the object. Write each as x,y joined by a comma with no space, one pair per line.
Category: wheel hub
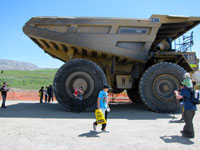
77,80
164,86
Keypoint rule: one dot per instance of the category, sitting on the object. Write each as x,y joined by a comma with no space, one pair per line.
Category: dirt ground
21,94
33,126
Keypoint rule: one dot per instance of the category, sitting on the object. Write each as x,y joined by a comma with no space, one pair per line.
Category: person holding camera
189,111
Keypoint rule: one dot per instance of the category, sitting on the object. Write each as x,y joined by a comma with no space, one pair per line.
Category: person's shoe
94,127
105,131
182,132
187,136
3,106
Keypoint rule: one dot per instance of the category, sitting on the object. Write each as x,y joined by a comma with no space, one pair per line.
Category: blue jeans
3,100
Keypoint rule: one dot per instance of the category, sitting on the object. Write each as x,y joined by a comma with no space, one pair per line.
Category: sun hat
187,75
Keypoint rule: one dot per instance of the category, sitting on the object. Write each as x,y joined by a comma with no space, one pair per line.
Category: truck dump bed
131,39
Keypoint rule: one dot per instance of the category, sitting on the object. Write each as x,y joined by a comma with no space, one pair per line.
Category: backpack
195,99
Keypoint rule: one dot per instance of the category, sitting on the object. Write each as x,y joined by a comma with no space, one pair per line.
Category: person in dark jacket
41,93
189,111
4,90
50,93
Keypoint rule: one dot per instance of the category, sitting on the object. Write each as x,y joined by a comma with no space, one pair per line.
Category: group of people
46,94
187,88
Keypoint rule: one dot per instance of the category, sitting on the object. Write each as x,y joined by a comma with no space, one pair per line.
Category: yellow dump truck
128,54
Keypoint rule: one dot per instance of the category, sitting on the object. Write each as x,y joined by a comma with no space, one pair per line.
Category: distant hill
16,65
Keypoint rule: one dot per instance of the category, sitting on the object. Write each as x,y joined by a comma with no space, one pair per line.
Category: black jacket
4,90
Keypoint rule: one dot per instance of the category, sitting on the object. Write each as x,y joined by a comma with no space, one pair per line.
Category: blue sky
15,45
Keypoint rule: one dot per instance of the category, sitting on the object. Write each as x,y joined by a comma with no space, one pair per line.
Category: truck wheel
157,86
76,74
134,96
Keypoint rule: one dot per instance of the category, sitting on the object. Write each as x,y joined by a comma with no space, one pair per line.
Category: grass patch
27,79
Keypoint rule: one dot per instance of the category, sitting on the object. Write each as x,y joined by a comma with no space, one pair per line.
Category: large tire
75,74
157,86
134,95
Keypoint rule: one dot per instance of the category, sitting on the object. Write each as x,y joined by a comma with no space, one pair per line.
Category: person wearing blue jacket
189,111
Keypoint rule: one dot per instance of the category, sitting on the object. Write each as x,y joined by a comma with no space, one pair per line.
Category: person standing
41,93
189,111
45,94
79,100
102,103
50,93
4,90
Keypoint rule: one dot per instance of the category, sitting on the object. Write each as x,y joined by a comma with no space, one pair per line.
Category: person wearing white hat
187,82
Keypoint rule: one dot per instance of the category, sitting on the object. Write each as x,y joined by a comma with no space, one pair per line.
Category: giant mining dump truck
135,55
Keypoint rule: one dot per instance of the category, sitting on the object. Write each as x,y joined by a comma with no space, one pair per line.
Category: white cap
187,75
